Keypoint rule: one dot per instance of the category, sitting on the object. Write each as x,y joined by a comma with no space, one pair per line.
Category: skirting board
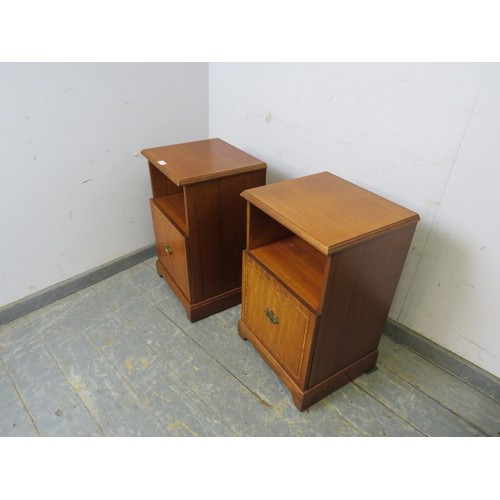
459,367
10,312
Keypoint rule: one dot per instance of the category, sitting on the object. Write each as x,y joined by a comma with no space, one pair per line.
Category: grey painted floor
120,358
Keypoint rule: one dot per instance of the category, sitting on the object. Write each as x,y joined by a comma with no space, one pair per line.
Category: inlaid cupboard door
171,248
281,323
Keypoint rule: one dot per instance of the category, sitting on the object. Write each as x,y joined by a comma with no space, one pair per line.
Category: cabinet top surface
327,211
200,161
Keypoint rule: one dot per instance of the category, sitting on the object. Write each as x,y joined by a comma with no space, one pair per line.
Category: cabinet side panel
361,284
216,218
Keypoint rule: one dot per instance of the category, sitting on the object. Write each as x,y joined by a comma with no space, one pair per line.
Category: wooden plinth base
199,310
303,398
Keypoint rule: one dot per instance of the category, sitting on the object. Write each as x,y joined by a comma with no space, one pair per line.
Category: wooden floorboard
121,358
49,397
425,414
14,417
115,407
466,402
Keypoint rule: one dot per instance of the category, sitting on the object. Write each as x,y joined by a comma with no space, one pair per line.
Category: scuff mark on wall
468,284
478,346
58,266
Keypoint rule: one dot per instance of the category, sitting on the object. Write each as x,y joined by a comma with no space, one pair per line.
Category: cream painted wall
426,136
74,188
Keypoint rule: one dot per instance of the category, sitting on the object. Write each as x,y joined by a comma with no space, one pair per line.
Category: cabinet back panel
263,229
160,184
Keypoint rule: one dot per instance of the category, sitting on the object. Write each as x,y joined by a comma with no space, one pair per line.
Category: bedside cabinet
199,220
321,266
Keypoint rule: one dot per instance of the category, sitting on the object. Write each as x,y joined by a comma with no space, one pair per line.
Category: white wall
74,188
426,136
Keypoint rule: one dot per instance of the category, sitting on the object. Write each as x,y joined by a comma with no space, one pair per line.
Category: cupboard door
283,325
171,247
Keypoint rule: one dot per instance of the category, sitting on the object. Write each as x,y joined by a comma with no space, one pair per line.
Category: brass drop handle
271,316
169,249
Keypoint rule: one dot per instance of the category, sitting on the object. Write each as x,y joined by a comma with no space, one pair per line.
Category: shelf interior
298,265
174,207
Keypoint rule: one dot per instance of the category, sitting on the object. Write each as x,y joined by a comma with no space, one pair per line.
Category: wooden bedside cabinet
199,220
320,270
